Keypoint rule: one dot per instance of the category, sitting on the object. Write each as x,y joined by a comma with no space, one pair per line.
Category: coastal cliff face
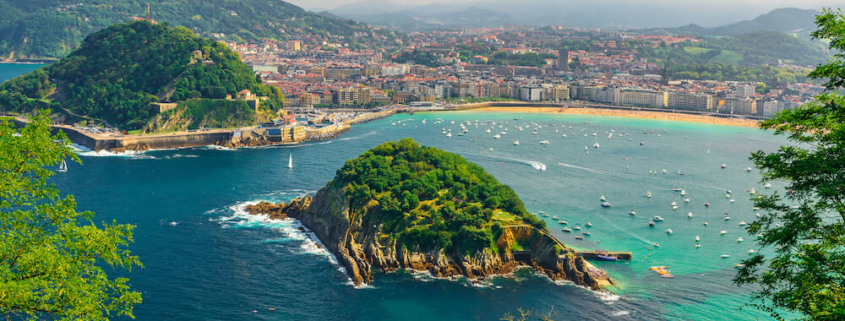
361,249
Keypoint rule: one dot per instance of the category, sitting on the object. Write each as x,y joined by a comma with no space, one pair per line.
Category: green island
149,76
402,205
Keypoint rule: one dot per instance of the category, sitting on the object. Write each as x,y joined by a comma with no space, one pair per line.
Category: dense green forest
53,28
117,72
430,199
758,48
722,72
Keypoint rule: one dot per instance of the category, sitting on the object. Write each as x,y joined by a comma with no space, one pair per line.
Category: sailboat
63,167
290,161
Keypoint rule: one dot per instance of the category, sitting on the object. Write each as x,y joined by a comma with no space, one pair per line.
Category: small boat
683,192
725,256
669,231
742,223
449,135
546,215
562,222
677,189
728,192
655,244
497,136
697,245
705,224
602,257
596,145
748,169
724,165
751,251
648,194
674,207
732,200
579,237
723,232
565,229
554,217
589,224
767,186
642,143
605,204
706,204
545,142
689,215
686,200
516,143
759,236
727,218
651,223
62,167
673,203
632,213
601,198
657,219
586,233
576,227
738,265
739,239
697,238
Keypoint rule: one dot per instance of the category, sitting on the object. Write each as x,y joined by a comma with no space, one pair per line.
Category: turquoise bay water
9,71
206,259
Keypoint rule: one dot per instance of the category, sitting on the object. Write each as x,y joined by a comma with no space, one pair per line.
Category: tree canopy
117,72
430,199
805,227
53,258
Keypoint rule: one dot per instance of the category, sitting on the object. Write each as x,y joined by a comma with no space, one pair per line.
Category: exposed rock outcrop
360,249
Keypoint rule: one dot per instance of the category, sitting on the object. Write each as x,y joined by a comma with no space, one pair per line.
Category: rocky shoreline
362,249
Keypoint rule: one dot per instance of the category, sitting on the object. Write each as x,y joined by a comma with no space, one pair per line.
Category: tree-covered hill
117,72
428,199
53,28
752,49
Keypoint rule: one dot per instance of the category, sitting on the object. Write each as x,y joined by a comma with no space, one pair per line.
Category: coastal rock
359,250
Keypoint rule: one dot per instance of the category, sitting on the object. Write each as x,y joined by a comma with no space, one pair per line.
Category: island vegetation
118,72
429,199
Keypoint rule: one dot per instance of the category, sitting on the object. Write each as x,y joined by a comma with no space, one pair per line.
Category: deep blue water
207,260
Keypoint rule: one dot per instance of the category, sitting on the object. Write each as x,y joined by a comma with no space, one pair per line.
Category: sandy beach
627,113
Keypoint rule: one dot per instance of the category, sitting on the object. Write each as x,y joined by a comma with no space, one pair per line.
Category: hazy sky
728,4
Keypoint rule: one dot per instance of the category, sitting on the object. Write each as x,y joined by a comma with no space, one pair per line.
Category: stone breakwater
362,249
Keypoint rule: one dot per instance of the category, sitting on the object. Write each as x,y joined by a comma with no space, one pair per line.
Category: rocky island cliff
405,206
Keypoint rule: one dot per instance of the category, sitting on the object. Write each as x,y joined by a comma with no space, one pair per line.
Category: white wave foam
291,228
105,153
581,168
620,313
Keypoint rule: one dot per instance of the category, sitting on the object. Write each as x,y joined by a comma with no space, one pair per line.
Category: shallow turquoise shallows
205,259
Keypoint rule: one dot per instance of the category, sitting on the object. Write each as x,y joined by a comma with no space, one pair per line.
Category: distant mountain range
53,28
787,20
706,19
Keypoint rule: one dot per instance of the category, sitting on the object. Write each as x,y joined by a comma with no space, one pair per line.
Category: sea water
205,258
9,70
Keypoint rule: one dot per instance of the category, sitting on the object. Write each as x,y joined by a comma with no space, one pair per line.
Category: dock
594,255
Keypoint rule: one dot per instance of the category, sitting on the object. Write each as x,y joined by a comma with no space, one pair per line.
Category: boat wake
292,231
535,164
582,168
